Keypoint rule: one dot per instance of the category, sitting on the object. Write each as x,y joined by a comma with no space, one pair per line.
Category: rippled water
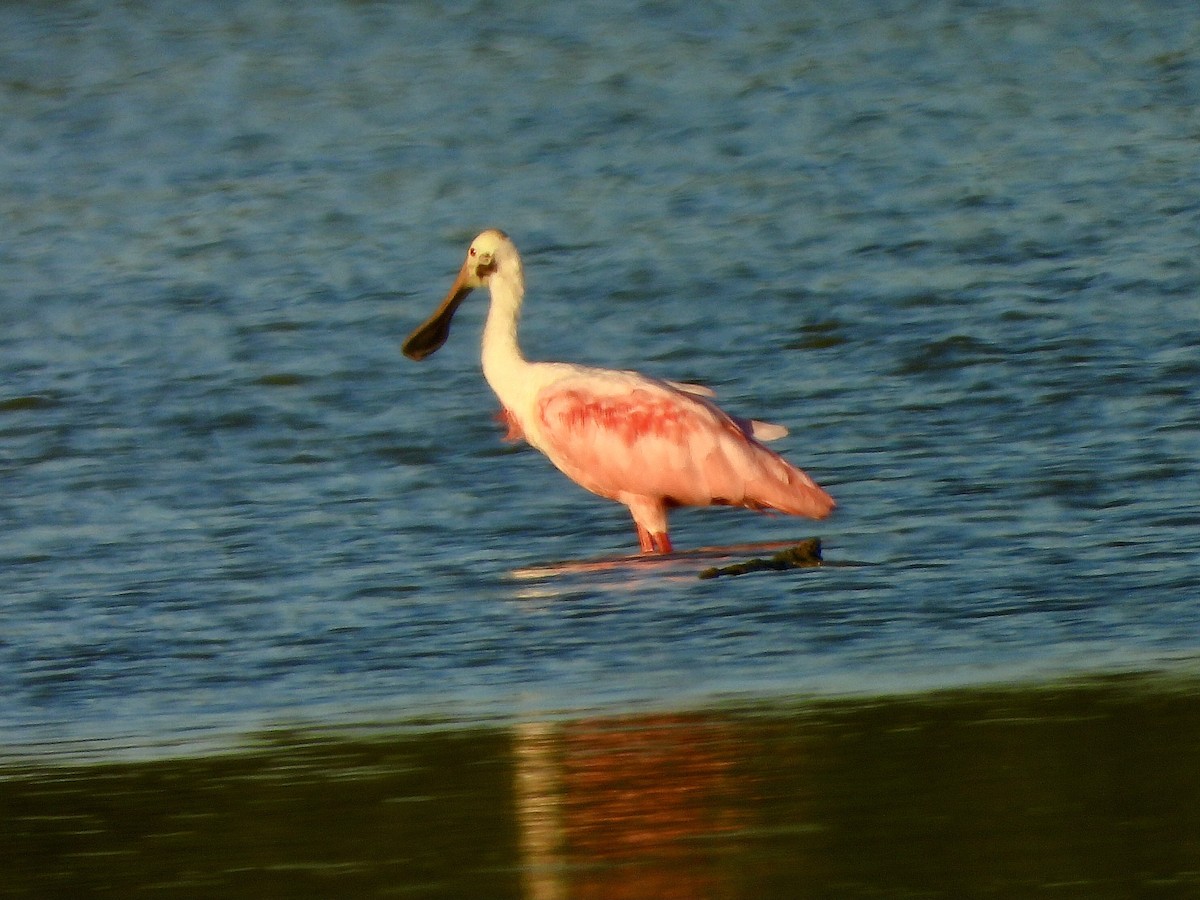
952,247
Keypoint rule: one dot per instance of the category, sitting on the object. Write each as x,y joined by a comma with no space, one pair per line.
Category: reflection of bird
646,443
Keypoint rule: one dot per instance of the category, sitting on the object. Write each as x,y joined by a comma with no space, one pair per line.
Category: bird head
490,253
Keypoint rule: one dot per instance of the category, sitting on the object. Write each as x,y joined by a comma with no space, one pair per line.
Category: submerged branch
804,555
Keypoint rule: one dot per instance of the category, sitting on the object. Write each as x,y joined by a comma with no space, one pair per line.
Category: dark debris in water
804,555
24,404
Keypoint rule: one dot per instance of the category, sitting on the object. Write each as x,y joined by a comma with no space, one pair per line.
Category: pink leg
645,539
650,517
653,541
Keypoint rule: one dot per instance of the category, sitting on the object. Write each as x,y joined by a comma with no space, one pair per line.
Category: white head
492,255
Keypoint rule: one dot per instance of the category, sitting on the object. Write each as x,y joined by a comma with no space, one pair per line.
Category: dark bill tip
433,332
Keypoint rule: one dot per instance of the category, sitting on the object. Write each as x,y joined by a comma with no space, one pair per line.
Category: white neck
503,365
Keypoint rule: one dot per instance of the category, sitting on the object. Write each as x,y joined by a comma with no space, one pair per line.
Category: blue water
952,246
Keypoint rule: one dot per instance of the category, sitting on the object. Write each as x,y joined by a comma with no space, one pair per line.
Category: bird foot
654,541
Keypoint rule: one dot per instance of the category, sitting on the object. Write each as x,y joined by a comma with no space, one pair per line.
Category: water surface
1063,790
953,248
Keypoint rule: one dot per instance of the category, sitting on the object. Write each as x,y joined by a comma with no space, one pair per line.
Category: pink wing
622,435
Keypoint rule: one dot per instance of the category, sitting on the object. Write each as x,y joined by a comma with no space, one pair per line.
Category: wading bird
646,443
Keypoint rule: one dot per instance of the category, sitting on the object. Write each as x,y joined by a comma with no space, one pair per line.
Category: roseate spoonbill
646,443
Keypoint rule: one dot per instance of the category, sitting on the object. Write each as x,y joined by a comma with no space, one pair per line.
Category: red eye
472,251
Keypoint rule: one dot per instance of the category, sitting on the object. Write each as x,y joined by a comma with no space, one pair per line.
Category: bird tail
790,491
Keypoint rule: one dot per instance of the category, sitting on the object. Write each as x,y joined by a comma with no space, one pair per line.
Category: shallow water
952,248
1073,790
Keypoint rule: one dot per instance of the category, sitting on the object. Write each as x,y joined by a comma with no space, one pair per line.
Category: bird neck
503,363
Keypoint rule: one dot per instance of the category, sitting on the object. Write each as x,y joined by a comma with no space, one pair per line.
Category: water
952,248
992,793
